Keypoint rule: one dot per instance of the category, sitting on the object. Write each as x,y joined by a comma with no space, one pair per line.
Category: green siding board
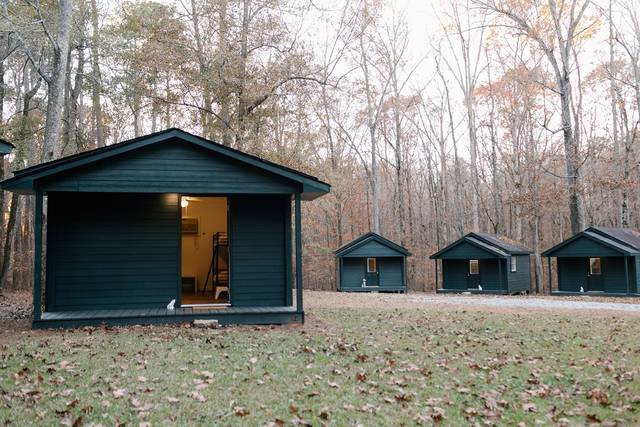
573,273
170,167
134,264
520,281
585,247
372,249
466,250
390,278
454,273
391,272
635,284
489,275
258,250
352,273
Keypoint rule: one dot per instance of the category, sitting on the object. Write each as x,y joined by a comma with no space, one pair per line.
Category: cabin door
473,274
372,275
595,279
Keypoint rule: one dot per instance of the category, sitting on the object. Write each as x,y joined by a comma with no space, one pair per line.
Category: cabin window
372,266
595,267
514,264
474,267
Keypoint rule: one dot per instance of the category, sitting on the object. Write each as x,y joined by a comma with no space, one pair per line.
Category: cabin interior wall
197,249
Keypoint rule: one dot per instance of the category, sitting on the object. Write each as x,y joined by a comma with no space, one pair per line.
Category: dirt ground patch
600,306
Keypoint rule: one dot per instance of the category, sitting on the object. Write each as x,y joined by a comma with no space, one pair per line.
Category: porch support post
626,273
500,275
549,268
298,220
37,261
436,283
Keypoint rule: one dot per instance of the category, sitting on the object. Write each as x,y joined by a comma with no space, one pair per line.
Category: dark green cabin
598,260
166,217
484,263
372,263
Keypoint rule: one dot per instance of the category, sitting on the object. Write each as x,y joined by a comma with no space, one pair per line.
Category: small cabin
166,228
599,261
484,263
372,263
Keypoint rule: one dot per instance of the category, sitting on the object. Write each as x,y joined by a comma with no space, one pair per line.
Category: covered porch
122,233
151,316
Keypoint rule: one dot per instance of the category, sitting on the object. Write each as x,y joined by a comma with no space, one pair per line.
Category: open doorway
205,251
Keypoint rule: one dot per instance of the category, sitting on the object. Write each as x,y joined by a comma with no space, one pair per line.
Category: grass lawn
344,367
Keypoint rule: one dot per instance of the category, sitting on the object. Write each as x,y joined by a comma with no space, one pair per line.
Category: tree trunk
8,240
97,77
244,55
56,84
371,124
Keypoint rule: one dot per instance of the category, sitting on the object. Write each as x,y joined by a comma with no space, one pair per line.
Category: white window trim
375,265
514,264
477,263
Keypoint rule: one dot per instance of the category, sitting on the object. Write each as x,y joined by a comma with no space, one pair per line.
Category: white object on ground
171,305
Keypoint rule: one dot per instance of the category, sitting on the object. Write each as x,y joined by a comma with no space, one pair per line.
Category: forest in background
515,117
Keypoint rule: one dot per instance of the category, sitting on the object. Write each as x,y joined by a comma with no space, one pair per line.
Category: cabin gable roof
371,244
26,180
495,246
611,241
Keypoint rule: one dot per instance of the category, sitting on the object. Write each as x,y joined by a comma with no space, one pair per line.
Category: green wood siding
454,273
613,275
585,247
112,251
489,275
372,249
520,281
573,273
465,250
635,284
258,250
352,273
171,167
391,276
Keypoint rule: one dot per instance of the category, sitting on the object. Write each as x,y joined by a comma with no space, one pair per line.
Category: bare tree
556,37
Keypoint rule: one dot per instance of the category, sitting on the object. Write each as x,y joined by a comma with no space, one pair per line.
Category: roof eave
24,180
549,252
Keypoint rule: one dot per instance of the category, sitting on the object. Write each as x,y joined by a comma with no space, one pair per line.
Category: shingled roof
500,246
623,240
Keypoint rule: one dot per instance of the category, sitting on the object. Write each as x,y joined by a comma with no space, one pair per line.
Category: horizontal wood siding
454,273
171,167
258,250
585,247
489,275
352,272
613,275
572,274
636,275
391,274
520,281
465,250
372,249
112,251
